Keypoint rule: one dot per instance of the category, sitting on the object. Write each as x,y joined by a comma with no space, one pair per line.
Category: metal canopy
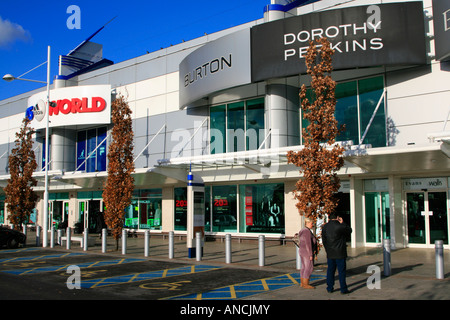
408,160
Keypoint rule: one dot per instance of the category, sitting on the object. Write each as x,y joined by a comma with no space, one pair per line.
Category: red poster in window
249,220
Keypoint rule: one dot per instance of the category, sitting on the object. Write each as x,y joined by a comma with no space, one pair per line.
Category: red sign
180,203
75,105
220,202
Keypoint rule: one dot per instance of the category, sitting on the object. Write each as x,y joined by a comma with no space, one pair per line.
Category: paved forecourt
63,274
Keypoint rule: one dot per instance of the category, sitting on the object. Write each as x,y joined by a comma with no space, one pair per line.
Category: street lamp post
45,235
9,77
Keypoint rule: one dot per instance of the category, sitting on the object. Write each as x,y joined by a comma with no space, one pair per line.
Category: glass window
101,151
347,110
49,154
131,215
261,208
149,208
180,196
355,103
91,144
81,150
237,126
207,209
255,123
2,210
370,91
218,126
87,142
224,211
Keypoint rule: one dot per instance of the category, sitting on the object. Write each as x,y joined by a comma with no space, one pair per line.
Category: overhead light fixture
8,77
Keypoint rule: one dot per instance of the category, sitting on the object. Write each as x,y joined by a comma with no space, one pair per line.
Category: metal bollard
38,236
198,246
439,250
124,241
85,239
104,235
146,242
52,237
298,260
387,257
228,248
58,237
24,229
171,249
68,238
261,250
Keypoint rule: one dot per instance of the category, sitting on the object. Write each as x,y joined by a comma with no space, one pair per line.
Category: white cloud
11,32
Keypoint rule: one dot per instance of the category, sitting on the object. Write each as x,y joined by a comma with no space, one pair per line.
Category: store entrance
427,217
59,214
90,216
377,213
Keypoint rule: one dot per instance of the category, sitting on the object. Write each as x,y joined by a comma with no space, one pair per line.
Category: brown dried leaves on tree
320,158
119,185
20,197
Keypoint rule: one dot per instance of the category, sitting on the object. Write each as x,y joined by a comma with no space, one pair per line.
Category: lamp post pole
9,77
45,222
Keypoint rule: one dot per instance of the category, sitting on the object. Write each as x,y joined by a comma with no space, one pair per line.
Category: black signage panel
441,22
382,34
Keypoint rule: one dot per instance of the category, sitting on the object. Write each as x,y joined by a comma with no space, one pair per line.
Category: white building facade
214,117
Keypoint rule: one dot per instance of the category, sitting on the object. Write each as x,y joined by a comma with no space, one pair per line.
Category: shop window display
180,214
262,208
224,211
145,210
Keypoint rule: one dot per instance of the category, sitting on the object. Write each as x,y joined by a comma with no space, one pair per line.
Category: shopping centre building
214,117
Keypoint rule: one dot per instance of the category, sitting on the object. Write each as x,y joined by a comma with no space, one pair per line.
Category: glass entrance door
95,216
377,216
427,217
437,216
59,213
83,213
90,215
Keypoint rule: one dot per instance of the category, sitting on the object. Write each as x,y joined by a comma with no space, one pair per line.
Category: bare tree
119,186
321,158
20,197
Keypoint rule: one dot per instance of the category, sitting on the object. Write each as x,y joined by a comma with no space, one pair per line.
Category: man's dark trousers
341,266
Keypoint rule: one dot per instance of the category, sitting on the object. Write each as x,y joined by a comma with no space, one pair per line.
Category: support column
282,115
195,213
398,227
63,145
356,212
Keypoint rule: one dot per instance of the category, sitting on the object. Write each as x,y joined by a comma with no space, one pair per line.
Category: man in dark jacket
334,235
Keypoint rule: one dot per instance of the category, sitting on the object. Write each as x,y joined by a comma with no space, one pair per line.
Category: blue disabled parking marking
81,265
19,250
34,258
246,289
96,283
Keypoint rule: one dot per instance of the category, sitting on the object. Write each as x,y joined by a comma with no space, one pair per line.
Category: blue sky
28,27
